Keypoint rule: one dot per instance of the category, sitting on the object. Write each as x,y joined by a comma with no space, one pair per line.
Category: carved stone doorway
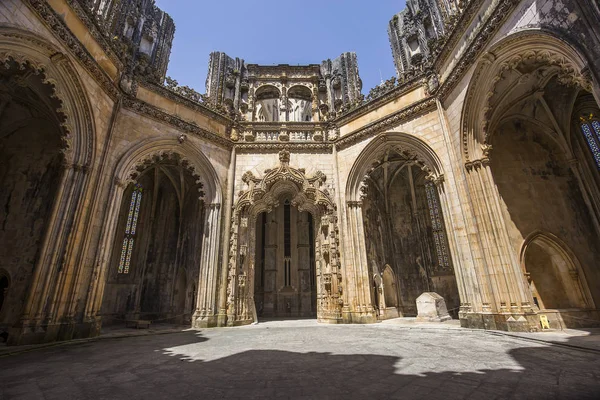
284,275
280,189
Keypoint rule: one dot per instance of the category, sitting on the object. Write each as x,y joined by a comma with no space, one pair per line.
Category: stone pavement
303,359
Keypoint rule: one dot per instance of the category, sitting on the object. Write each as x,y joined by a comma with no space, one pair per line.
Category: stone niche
431,307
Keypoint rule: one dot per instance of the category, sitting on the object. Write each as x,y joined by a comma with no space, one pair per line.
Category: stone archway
129,169
396,204
264,194
57,112
553,273
522,174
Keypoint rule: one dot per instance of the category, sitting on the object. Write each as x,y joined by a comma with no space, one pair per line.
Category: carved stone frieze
474,49
154,113
404,115
58,27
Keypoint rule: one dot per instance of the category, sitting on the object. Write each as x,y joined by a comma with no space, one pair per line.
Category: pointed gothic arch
567,64
555,276
382,214
517,119
424,157
34,58
131,167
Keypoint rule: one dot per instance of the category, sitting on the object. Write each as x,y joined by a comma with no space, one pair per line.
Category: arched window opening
591,131
130,229
437,226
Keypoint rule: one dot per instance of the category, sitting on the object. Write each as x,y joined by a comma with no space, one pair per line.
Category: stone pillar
315,103
41,305
303,251
61,294
225,259
361,309
502,283
103,255
206,304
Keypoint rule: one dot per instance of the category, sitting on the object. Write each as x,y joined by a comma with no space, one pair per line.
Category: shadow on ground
158,367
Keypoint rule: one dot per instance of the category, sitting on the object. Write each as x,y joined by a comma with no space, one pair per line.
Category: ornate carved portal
264,195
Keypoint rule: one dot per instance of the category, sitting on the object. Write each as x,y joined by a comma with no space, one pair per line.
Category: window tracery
130,229
590,127
437,226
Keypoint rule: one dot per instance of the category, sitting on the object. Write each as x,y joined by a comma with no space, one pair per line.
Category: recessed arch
27,48
300,92
291,187
562,265
566,61
425,157
267,91
147,152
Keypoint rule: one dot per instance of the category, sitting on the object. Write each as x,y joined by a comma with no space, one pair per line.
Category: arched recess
522,172
132,167
290,185
554,274
300,100
268,103
396,204
36,71
564,62
390,292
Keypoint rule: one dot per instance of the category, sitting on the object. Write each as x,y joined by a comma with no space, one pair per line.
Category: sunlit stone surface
302,359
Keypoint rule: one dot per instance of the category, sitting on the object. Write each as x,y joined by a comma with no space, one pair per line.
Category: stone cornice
184,126
379,101
383,124
476,47
196,106
309,147
290,125
56,25
458,31
94,32
258,71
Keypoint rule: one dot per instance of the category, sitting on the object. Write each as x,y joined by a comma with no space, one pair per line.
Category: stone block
432,307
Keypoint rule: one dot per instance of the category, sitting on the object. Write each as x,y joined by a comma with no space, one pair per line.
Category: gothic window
130,229
590,127
437,224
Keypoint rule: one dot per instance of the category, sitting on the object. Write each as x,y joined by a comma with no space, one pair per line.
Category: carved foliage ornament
163,157
27,67
411,156
309,189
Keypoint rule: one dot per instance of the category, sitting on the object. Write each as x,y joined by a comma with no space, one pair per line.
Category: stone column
225,259
56,241
206,304
502,284
60,295
361,309
315,103
303,251
103,255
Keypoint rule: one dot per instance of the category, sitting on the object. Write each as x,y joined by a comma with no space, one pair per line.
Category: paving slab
303,359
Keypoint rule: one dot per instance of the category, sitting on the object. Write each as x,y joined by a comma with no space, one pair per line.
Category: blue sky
280,32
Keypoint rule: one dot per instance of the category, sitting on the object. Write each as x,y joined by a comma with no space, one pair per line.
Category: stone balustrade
283,132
